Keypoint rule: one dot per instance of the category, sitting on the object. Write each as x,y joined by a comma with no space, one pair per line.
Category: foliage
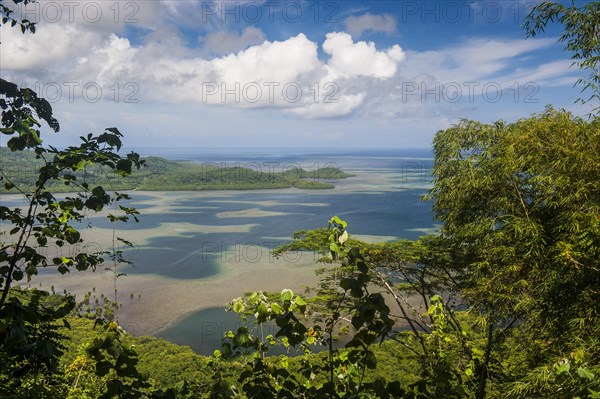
581,34
47,220
519,248
6,15
442,343
519,205
341,373
447,357
30,343
110,355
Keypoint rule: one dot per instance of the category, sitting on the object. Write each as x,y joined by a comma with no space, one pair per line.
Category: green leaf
563,368
339,221
286,294
17,275
262,312
276,308
112,138
102,368
124,166
284,363
42,240
300,301
585,373
238,307
81,164
72,236
594,394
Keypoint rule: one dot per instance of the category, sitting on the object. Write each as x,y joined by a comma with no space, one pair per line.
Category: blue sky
378,74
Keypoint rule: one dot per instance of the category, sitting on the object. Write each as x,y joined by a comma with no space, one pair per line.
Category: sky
320,74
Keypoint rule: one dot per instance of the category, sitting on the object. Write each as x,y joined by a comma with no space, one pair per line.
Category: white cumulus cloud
160,67
278,61
361,58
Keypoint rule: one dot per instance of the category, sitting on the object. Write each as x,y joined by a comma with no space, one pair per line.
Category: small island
161,174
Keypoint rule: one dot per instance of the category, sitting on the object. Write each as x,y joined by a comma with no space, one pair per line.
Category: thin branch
399,302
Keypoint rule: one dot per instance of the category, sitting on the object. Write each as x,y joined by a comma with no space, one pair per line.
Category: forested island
159,174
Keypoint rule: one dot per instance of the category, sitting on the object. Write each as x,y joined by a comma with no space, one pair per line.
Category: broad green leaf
284,362
81,164
238,307
286,294
585,373
17,275
262,311
339,221
300,301
276,308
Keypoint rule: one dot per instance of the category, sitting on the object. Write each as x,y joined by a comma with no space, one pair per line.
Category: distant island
160,174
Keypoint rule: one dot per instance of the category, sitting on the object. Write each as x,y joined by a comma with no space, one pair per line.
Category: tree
29,341
341,373
519,204
445,353
581,34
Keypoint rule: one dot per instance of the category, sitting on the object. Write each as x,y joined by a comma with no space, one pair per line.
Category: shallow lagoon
194,251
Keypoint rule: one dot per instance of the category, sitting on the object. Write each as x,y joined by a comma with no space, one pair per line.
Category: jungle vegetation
503,303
